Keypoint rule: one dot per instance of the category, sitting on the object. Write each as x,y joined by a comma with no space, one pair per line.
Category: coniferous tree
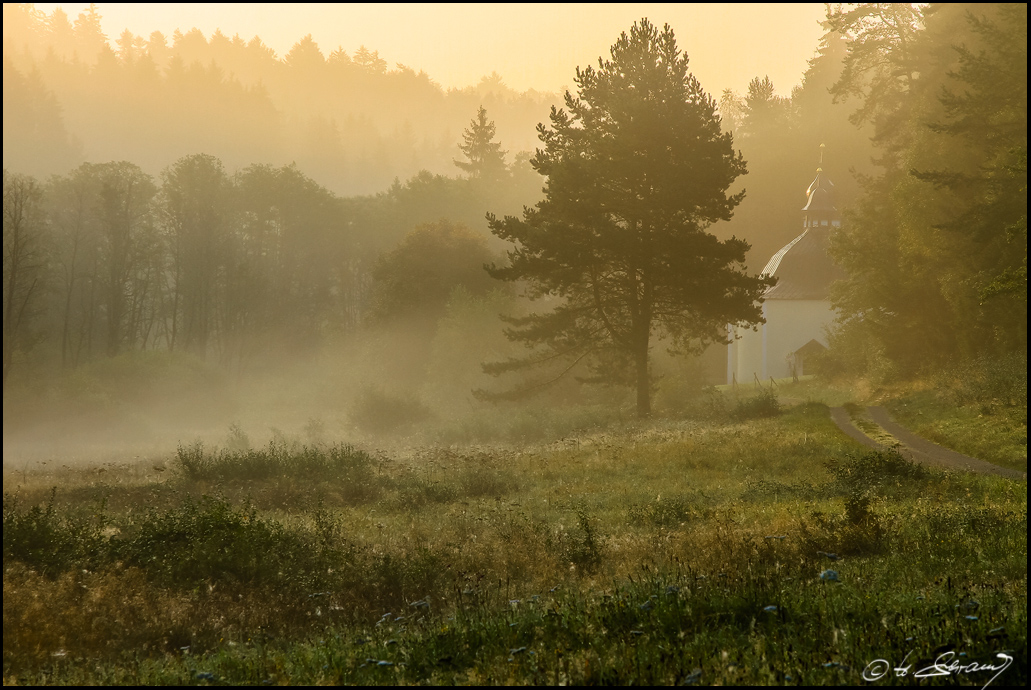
936,250
637,170
486,160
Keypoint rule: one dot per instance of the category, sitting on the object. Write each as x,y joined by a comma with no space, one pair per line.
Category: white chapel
797,309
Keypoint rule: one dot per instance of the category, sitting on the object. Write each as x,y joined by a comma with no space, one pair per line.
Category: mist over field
201,233
288,142
647,366
201,215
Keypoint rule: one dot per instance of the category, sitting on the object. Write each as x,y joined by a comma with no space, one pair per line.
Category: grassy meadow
737,543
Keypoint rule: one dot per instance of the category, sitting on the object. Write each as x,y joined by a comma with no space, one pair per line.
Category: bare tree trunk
23,262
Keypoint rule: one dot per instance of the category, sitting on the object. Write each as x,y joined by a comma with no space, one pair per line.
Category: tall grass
676,553
275,461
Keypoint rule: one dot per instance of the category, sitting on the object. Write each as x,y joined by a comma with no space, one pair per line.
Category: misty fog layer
199,234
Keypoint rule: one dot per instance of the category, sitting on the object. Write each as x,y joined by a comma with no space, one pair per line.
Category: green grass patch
752,549
996,433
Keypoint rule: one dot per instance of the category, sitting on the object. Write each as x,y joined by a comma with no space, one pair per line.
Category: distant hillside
349,121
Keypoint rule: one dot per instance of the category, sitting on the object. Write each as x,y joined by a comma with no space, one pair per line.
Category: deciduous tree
416,279
24,262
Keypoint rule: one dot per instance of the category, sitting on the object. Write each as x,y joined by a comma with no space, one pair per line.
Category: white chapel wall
790,324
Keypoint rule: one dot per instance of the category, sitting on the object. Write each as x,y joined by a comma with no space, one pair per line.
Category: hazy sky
530,46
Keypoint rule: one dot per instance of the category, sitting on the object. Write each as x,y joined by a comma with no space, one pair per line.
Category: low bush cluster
206,541
49,540
866,470
987,381
763,404
378,412
277,460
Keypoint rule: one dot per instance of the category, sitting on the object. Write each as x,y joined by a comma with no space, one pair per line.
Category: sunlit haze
531,46
514,344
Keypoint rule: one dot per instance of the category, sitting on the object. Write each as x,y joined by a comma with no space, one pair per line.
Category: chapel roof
820,195
803,267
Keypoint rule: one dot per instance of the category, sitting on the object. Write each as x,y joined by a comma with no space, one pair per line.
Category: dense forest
936,246
349,121
201,195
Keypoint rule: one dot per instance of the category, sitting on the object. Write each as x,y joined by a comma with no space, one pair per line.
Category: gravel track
916,448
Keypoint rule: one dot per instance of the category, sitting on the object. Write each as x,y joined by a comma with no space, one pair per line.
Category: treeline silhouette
351,122
348,121
272,257
936,247
227,267
265,242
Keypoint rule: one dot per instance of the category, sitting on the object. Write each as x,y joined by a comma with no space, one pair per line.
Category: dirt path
844,421
916,448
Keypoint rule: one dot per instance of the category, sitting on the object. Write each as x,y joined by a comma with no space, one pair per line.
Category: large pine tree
637,170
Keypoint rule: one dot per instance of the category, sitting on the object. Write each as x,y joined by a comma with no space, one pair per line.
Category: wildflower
830,576
204,675
770,609
971,618
647,606
383,664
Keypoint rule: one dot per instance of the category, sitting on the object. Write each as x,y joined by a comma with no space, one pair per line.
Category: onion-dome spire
819,207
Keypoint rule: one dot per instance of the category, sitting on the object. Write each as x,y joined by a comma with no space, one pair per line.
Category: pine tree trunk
644,403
